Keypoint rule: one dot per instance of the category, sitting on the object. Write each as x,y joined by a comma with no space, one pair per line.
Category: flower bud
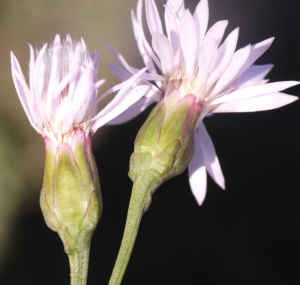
164,145
70,197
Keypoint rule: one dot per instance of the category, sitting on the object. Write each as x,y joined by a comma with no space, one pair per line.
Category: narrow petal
197,174
206,57
201,20
211,160
259,103
82,96
126,97
253,75
216,31
176,6
153,18
256,51
164,50
121,73
188,42
145,50
257,90
232,70
172,28
132,111
224,56
117,107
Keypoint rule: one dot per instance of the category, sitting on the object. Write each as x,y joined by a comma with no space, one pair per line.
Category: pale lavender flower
192,59
62,91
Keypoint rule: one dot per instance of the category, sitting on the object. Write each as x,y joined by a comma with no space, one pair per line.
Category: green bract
164,145
70,197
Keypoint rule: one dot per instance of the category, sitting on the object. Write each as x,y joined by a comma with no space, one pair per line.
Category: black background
248,234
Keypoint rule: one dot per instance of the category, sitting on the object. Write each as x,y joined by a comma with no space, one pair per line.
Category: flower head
61,103
63,87
195,60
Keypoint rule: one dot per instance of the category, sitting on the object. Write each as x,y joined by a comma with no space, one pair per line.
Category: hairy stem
139,202
79,262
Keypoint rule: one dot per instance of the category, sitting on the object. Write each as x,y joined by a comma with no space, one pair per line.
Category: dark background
248,234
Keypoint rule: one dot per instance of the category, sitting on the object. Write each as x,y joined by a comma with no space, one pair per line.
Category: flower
61,104
62,92
192,59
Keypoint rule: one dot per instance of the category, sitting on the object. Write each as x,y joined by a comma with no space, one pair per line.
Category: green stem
79,262
140,198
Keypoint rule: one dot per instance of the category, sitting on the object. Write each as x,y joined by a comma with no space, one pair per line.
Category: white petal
224,56
132,111
256,51
164,50
188,42
171,27
54,77
82,96
211,160
206,57
176,6
145,50
216,31
230,73
153,18
117,107
126,97
259,103
201,20
257,90
120,72
253,75
197,174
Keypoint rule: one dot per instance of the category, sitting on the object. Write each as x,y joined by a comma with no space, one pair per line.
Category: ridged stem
79,262
140,198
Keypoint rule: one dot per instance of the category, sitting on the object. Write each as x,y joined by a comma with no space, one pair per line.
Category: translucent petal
145,50
153,18
230,73
82,96
257,90
201,16
126,97
259,103
256,51
188,42
171,27
224,56
211,160
197,174
216,31
206,57
164,50
253,75
133,111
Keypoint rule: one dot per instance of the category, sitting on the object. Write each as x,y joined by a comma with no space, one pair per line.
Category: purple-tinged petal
133,111
257,90
216,31
256,51
164,50
197,173
232,70
172,28
253,75
188,42
201,16
153,18
224,56
211,160
259,103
